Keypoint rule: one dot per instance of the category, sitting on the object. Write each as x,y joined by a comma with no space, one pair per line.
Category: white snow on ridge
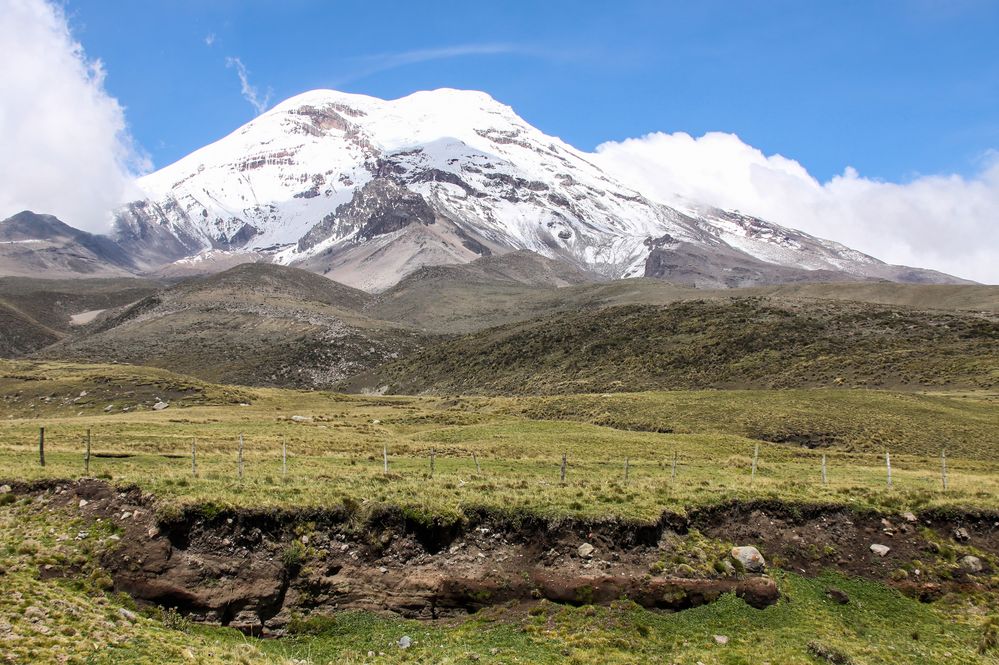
477,163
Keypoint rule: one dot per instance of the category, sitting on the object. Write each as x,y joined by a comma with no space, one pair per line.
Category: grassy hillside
37,312
255,324
731,343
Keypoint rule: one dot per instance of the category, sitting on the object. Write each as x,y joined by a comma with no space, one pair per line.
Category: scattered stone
405,642
108,408
159,406
880,550
586,550
382,570
750,558
961,534
837,595
971,564
5,489
34,612
301,419
127,615
125,515
153,532
83,393
83,502
909,517
721,639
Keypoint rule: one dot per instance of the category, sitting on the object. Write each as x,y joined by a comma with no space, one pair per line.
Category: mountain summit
367,191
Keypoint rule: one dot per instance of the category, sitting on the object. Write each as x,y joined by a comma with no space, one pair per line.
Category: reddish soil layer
254,569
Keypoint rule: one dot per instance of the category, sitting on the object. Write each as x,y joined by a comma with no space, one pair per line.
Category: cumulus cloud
64,141
250,93
945,222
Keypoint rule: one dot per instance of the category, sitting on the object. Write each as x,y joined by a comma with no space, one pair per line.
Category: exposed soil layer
254,569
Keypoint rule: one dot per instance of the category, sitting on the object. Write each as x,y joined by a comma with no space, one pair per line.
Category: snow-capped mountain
366,191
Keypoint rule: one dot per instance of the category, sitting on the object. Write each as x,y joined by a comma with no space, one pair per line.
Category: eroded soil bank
255,570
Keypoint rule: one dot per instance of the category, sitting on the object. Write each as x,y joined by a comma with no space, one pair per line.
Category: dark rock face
723,267
381,206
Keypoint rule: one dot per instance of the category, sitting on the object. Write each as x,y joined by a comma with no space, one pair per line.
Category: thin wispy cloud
209,39
367,65
250,92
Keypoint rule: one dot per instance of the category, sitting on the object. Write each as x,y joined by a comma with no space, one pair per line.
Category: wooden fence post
756,457
41,446
888,466
241,456
284,458
673,472
478,469
86,456
433,456
943,468
194,457
825,479
563,468
627,468
385,459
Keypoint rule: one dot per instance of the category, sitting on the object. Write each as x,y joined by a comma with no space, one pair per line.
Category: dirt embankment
254,569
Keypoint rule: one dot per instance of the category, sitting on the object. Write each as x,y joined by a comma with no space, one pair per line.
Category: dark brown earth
254,569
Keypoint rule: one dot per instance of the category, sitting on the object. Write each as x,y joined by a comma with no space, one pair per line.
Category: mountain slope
722,343
366,191
255,324
33,245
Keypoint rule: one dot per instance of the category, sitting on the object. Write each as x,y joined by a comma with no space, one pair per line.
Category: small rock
405,642
34,612
83,393
383,570
125,515
909,517
108,408
971,564
880,550
115,537
750,558
721,639
301,419
585,550
159,406
837,595
727,568
127,615
961,534
153,532
83,502
5,489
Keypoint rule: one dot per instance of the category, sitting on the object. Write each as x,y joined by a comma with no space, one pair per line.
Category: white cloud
210,39
250,93
64,141
946,222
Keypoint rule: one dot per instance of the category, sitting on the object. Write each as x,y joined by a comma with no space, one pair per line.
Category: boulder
750,558
586,550
971,564
159,406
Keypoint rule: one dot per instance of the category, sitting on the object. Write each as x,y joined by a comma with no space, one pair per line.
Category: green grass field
336,455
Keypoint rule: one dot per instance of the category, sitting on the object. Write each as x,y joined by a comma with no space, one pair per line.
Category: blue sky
893,88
